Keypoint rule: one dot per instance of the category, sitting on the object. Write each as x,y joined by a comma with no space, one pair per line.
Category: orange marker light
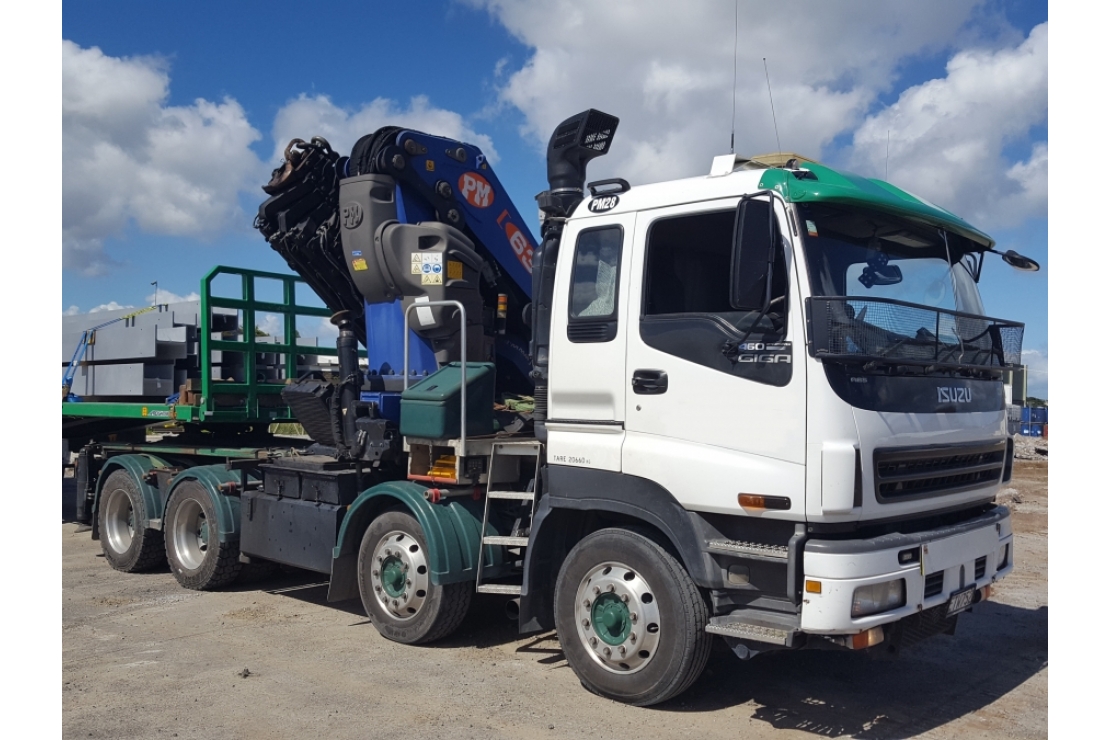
813,587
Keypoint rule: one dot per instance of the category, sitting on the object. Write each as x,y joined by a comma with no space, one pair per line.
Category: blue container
1035,430
1025,430
1039,416
1025,414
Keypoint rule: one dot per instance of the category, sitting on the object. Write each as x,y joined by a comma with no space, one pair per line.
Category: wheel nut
379,558
596,590
585,623
622,649
610,588
374,573
608,652
405,596
632,637
593,642
586,602
624,598
633,617
378,589
408,581
395,602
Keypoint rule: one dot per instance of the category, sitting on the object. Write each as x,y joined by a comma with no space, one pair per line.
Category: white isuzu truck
764,404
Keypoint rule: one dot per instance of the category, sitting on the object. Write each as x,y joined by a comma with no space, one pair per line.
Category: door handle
649,382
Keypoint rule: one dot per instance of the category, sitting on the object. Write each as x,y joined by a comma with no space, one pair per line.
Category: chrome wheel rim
119,521
399,574
617,618
190,534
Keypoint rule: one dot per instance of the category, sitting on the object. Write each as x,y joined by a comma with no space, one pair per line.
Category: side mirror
1021,262
753,243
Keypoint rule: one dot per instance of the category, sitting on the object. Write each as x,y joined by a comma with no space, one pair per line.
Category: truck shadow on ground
841,694
996,648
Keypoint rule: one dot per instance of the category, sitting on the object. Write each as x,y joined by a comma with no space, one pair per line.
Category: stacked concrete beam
153,354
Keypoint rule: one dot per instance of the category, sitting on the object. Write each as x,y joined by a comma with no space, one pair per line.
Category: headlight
878,597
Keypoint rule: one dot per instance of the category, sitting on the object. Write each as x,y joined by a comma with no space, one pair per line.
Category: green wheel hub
393,577
611,619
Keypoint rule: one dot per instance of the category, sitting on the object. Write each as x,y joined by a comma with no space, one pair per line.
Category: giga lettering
517,240
953,394
475,189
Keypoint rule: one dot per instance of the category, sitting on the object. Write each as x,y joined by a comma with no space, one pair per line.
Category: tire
197,558
395,584
630,619
127,547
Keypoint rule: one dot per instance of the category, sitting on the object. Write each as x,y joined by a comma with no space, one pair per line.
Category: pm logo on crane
476,189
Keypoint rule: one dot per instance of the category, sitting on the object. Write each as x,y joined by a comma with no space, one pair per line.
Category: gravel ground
143,658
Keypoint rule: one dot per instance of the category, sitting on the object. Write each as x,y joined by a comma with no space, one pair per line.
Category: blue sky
174,113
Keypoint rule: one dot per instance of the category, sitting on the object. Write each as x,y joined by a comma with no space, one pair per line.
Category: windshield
863,254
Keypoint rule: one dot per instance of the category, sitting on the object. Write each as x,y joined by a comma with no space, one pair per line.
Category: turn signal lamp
868,638
813,587
755,501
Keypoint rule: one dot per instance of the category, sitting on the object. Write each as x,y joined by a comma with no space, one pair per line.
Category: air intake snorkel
574,143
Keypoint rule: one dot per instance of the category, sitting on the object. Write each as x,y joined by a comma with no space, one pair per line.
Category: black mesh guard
880,329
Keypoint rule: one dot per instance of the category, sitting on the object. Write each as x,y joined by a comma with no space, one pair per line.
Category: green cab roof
833,186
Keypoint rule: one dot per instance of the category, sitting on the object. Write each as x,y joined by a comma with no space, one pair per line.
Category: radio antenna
886,169
735,38
773,119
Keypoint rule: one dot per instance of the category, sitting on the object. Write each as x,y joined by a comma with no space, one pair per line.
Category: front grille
907,473
980,567
934,583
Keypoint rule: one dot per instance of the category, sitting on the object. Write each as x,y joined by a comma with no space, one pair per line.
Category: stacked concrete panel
152,355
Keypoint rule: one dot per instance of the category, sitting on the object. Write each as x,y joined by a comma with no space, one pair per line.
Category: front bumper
947,560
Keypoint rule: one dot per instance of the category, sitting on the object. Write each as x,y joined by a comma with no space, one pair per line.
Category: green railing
252,396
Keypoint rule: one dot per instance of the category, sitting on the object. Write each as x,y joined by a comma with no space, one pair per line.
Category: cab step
507,589
761,627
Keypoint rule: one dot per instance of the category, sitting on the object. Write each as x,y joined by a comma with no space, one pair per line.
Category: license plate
961,600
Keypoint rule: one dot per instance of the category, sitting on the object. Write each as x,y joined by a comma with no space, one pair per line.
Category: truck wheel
197,557
396,587
128,545
630,619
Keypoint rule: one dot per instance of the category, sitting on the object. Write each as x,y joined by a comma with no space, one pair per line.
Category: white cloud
167,296
309,116
130,157
667,72
947,136
71,311
110,306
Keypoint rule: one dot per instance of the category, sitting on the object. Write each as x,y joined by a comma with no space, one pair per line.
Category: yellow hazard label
431,278
145,411
429,165
359,264
454,270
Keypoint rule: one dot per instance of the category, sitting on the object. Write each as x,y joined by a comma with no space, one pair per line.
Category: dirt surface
143,658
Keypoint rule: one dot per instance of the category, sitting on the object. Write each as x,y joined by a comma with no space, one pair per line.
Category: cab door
586,397
714,392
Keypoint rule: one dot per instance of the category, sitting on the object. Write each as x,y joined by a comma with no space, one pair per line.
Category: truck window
688,309
593,290
594,285
689,262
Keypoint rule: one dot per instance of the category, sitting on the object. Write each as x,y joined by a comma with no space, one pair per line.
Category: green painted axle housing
452,533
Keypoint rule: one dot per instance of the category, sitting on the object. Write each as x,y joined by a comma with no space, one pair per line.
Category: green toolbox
430,409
